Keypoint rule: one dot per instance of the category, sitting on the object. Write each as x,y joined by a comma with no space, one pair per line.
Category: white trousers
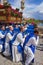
29,55
15,54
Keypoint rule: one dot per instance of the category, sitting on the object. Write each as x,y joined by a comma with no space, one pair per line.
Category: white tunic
33,41
7,48
19,39
28,51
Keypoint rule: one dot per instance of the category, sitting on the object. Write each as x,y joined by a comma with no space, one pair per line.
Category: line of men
19,41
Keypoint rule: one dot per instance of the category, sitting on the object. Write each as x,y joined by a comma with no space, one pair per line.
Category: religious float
10,15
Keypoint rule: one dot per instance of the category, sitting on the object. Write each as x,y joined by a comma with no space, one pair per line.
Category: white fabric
1,35
16,55
1,48
33,41
9,37
28,51
7,48
26,28
29,55
19,39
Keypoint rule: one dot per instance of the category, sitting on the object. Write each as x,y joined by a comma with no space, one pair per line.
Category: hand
25,36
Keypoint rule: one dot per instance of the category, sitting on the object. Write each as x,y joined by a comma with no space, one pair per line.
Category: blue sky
33,8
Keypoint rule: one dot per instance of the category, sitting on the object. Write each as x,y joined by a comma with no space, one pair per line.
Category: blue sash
11,41
27,39
17,30
14,38
31,46
20,48
31,26
7,30
2,40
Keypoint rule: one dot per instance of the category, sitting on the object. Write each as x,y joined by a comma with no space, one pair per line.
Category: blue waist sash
32,48
1,41
20,48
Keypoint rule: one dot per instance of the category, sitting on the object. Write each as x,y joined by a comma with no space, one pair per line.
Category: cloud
33,11
33,8
15,3
33,1
40,8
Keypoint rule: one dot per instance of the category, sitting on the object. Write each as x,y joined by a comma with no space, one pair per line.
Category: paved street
38,58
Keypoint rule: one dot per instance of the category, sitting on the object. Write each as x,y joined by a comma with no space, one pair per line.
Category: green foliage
29,21
36,21
13,14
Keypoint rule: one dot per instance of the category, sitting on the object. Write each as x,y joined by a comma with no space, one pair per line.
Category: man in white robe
2,36
19,39
28,50
9,37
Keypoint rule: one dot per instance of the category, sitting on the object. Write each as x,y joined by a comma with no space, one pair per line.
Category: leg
29,57
7,50
13,53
